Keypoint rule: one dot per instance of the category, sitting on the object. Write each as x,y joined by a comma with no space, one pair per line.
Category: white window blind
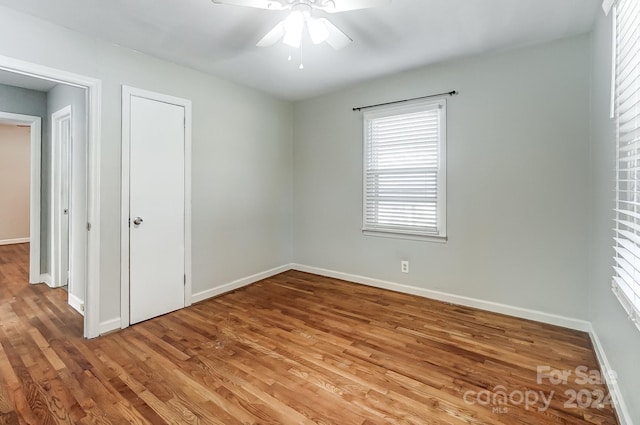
626,279
404,170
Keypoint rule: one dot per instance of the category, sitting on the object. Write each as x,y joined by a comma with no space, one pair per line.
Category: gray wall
30,102
22,101
15,189
620,338
57,98
518,168
242,154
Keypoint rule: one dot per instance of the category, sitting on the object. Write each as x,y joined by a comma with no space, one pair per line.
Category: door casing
127,93
92,325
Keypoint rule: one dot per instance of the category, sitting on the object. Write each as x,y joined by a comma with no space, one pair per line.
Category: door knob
137,221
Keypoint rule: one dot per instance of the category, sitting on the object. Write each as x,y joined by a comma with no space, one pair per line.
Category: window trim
624,211
407,108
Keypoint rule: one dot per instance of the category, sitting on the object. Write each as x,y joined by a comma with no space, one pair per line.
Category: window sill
406,236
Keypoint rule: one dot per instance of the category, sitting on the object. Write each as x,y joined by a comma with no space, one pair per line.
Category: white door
61,167
156,208
65,197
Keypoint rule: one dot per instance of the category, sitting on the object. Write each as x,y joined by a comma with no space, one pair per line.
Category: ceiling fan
320,29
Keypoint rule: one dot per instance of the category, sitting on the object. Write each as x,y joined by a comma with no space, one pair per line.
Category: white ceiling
220,39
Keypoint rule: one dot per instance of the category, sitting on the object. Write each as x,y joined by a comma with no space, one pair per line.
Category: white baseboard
115,323
538,316
46,278
14,241
109,325
245,281
612,383
76,303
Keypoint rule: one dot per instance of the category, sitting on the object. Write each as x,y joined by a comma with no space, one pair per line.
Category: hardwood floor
293,349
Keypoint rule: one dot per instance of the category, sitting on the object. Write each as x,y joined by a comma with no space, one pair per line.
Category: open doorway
64,168
14,183
43,180
20,150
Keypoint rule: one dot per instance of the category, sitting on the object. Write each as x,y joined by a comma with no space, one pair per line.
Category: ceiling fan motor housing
311,4
303,8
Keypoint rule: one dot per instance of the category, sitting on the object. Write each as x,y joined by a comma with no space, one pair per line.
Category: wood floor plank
292,349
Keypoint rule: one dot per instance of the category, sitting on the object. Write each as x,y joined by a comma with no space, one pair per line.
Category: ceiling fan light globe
294,22
292,39
293,26
317,31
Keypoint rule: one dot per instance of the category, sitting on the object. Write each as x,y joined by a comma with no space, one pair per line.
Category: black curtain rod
360,108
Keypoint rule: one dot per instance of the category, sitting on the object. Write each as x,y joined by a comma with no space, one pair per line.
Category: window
626,279
405,171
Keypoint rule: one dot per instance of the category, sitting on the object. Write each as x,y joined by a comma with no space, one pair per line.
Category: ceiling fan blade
336,39
272,36
258,4
335,6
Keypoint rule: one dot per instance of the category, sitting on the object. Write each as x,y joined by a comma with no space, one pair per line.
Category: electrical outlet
404,266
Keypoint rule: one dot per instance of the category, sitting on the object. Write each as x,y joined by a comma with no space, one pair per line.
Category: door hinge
129,221
88,227
185,280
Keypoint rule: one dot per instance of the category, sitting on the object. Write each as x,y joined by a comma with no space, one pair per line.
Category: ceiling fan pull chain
301,64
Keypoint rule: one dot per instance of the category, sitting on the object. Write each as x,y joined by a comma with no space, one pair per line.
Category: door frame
93,88
57,173
127,93
35,155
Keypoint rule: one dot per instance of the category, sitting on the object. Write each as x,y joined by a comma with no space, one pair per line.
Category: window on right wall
405,171
626,279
